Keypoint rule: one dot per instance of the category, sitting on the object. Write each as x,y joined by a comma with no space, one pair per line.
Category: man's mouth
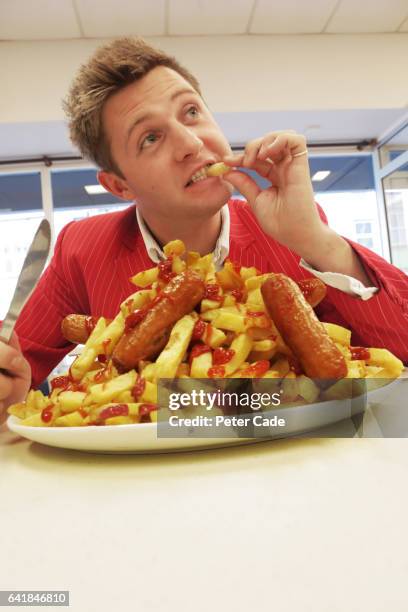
200,175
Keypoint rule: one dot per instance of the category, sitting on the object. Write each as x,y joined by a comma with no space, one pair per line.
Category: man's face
161,133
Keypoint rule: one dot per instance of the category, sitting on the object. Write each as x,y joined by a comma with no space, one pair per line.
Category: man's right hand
14,385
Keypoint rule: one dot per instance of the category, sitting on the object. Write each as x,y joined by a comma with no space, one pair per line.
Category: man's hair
112,67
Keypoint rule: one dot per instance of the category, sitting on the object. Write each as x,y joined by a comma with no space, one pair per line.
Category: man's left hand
286,210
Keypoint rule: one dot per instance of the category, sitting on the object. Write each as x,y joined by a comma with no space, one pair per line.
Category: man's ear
115,185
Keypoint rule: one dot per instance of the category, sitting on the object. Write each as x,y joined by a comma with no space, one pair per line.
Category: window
20,213
363,227
394,147
348,197
396,202
364,233
346,194
72,201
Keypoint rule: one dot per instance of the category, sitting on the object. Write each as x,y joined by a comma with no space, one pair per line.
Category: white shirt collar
221,250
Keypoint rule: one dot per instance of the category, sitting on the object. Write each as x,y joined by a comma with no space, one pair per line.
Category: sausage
313,289
77,328
150,335
301,329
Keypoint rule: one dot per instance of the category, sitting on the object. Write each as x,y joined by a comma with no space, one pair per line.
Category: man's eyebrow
146,116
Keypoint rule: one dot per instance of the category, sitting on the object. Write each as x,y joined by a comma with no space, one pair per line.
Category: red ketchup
165,270
113,411
359,352
138,315
46,414
238,294
144,412
212,292
101,375
217,371
60,382
222,355
134,318
90,323
139,387
197,350
199,329
129,304
255,313
257,369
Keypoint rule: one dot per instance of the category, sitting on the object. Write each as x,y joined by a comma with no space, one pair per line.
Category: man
141,118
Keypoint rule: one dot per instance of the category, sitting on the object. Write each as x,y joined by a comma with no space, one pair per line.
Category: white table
291,525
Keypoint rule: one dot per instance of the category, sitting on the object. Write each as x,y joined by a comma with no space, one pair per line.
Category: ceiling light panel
192,17
94,189
121,17
368,16
291,16
39,20
321,175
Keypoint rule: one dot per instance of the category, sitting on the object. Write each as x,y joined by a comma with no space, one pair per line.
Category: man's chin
210,206
216,198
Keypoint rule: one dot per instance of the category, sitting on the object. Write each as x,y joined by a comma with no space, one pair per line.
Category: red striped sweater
94,258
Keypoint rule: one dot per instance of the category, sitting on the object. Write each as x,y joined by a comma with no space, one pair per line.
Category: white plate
143,438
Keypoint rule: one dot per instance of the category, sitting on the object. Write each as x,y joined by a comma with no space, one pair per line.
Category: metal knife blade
30,273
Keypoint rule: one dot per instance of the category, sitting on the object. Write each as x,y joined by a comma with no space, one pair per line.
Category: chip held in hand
218,169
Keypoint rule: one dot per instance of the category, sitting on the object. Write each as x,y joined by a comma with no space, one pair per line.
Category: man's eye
193,111
148,140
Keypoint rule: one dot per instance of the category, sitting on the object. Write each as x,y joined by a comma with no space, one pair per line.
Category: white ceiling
62,19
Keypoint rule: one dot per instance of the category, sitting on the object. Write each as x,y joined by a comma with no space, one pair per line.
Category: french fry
72,419
233,318
218,169
385,359
308,389
119,420
69,401
281,365
254,282
200,265
149,372
355,368
172,355
174,247
247,273
145,278
34,420
263,349
242,347
290,388
228,278
200,365
178,265
254,300
137,300
338,333
209,305
106,392
237,322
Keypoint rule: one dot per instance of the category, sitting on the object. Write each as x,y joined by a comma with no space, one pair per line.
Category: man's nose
186,142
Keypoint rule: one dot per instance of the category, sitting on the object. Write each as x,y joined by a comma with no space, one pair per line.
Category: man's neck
198,235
